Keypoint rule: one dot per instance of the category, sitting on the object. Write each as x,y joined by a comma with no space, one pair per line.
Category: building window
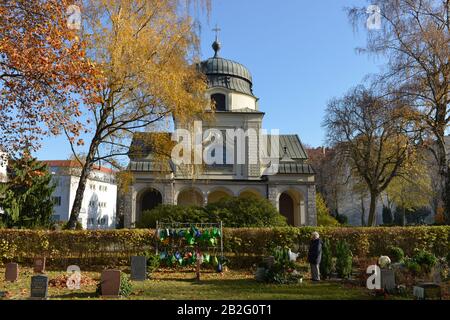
92,186
103,221
103,188
56,201
218,101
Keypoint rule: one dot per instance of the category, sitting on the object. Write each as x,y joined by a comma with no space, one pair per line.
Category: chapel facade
284,177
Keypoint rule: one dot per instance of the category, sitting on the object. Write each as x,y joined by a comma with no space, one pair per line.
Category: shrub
171,213
78,226
399,216
247,212
413,266
417,216
126,287
396,254
344,260
342,219
425,259
153,261
232,211
326,264
387,216
323,213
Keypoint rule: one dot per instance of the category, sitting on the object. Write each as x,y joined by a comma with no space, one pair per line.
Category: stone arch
250,192
190,197
218,194
291,204
148,199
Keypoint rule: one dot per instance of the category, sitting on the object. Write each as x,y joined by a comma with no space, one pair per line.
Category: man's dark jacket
315,251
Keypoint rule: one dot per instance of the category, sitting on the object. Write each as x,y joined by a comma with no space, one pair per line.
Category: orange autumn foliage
42,68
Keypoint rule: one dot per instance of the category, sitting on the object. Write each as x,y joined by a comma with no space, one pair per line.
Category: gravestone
39,287
419,292
11,272
110,283
427,290
138,268
436,274
269,261
388,280
39,265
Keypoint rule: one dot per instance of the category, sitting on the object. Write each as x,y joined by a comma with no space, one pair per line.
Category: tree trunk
363,213
403,222
79,195
441,152
86,170
372,209
446,197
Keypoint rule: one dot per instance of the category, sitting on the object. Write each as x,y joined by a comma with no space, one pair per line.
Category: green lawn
170,285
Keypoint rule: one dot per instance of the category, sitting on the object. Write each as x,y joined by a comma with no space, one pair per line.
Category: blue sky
300,53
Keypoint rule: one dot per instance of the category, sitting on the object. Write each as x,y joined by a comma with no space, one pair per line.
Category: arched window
218,100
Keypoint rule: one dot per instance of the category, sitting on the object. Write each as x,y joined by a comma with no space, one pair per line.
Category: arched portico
147,200
250,193
190,197
292,205
218,194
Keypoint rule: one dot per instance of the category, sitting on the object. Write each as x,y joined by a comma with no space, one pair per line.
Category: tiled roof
290,146
295,168
149,166
74,164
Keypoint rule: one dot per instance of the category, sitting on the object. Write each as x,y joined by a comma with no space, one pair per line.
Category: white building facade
230,88
3,166
98,210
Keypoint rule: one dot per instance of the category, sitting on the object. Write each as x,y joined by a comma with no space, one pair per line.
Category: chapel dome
227,73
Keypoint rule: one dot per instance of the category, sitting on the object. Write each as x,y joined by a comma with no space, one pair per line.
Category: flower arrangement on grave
384,261
282,269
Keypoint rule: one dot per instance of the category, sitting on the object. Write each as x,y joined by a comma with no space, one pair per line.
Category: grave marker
388,280
138,268
11,272
110,283
39,287
39,265
427,291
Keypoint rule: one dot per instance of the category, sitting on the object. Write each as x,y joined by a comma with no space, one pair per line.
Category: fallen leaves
61,281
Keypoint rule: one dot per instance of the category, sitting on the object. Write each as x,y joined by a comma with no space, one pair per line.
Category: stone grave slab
427,291
11,272
388,280
39,287
110,283
138,268
39,265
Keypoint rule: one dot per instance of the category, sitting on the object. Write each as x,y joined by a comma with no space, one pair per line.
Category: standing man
315,255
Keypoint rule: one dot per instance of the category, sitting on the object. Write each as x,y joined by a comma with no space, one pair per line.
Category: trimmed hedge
363,242
80,245
242,243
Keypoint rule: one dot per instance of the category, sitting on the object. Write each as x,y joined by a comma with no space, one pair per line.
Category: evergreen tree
27,200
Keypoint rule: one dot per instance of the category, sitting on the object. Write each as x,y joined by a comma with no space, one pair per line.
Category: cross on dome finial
216,45
217,30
